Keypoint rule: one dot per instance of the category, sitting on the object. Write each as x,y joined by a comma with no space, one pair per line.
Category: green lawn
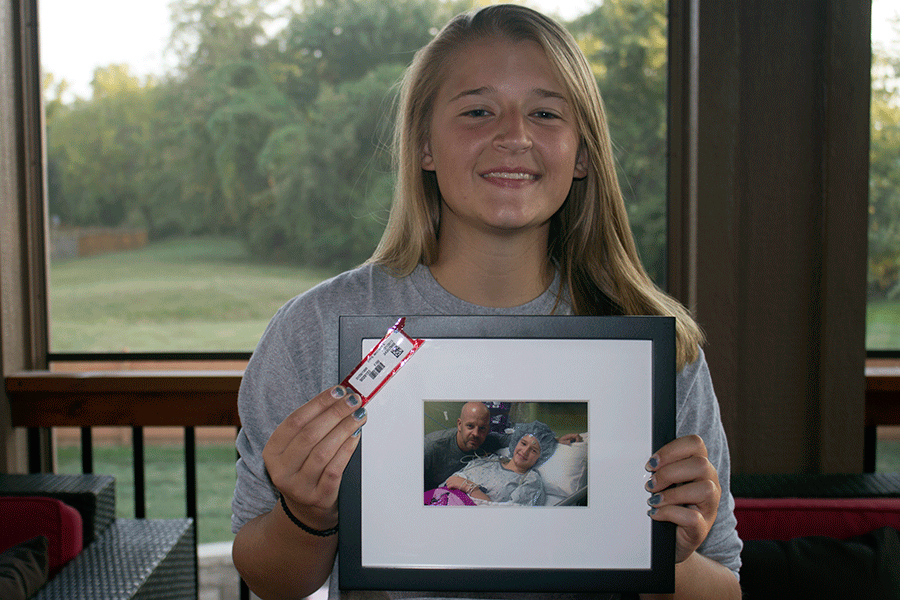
186,294
887,456
883,325
164,470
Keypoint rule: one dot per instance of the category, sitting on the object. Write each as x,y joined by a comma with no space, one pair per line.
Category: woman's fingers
338,400
316,503
324,463
691,468
685,491
692,528
308,452
455,482
696,494
676,450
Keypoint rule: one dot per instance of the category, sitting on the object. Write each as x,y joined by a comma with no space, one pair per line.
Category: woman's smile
511,178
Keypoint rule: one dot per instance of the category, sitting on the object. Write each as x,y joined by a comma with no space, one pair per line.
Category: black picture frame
390,541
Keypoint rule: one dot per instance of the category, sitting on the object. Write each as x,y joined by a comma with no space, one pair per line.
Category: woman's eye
546,114
476,112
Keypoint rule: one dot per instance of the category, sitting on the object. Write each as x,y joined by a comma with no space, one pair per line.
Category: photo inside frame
558,477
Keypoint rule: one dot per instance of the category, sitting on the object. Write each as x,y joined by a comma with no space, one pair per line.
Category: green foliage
276,135
625,42
327,43
884,175
98,149
330,177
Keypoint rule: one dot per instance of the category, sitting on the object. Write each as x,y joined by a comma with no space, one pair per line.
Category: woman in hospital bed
513,480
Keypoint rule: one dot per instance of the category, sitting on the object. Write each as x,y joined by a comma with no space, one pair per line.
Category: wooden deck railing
209,398
126,398
40,399
883,392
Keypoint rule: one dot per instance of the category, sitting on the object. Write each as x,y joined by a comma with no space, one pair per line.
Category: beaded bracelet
304,527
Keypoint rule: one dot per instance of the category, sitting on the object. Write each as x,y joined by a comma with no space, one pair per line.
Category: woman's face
503,140
526,453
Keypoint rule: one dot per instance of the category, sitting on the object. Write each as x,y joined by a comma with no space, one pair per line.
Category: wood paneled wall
769,220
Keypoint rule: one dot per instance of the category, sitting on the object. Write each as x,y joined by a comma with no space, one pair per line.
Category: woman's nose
513,134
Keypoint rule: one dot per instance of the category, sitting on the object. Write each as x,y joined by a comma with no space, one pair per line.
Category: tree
625,42
96,149
327,43
330,180
278,136
884,175
328,168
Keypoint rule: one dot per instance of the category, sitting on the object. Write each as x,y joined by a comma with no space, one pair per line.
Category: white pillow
566,471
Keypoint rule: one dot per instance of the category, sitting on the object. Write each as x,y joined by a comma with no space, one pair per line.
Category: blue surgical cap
544,435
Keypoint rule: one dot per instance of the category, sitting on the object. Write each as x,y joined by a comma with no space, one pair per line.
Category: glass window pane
210,159
883,310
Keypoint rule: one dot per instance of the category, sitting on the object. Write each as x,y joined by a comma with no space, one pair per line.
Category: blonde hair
590,238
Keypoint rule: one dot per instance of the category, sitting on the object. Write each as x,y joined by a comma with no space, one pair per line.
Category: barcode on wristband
382,362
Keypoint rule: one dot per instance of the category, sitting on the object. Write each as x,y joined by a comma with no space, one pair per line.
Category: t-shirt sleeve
698,413
282,374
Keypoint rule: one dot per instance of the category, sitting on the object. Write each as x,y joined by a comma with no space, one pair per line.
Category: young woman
512,480
506,204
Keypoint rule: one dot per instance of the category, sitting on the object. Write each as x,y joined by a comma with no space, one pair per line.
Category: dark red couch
819,536
788,518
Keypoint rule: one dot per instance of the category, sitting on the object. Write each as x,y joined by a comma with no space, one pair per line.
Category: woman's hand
686,491
455,482
308,452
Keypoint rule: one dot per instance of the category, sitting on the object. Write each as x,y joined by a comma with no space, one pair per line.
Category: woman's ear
427,159
581,169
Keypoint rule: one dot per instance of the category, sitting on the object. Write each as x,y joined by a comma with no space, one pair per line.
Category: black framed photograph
507,455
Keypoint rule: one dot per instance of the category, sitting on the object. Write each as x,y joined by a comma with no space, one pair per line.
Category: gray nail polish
654,500
353,400
338,392
357,432
359,413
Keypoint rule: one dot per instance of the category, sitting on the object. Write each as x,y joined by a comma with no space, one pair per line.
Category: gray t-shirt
297,358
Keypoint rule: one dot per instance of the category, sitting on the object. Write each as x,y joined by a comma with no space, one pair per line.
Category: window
883,311
226,160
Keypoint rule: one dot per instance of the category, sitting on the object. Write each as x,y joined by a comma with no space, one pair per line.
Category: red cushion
25,517
788,518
